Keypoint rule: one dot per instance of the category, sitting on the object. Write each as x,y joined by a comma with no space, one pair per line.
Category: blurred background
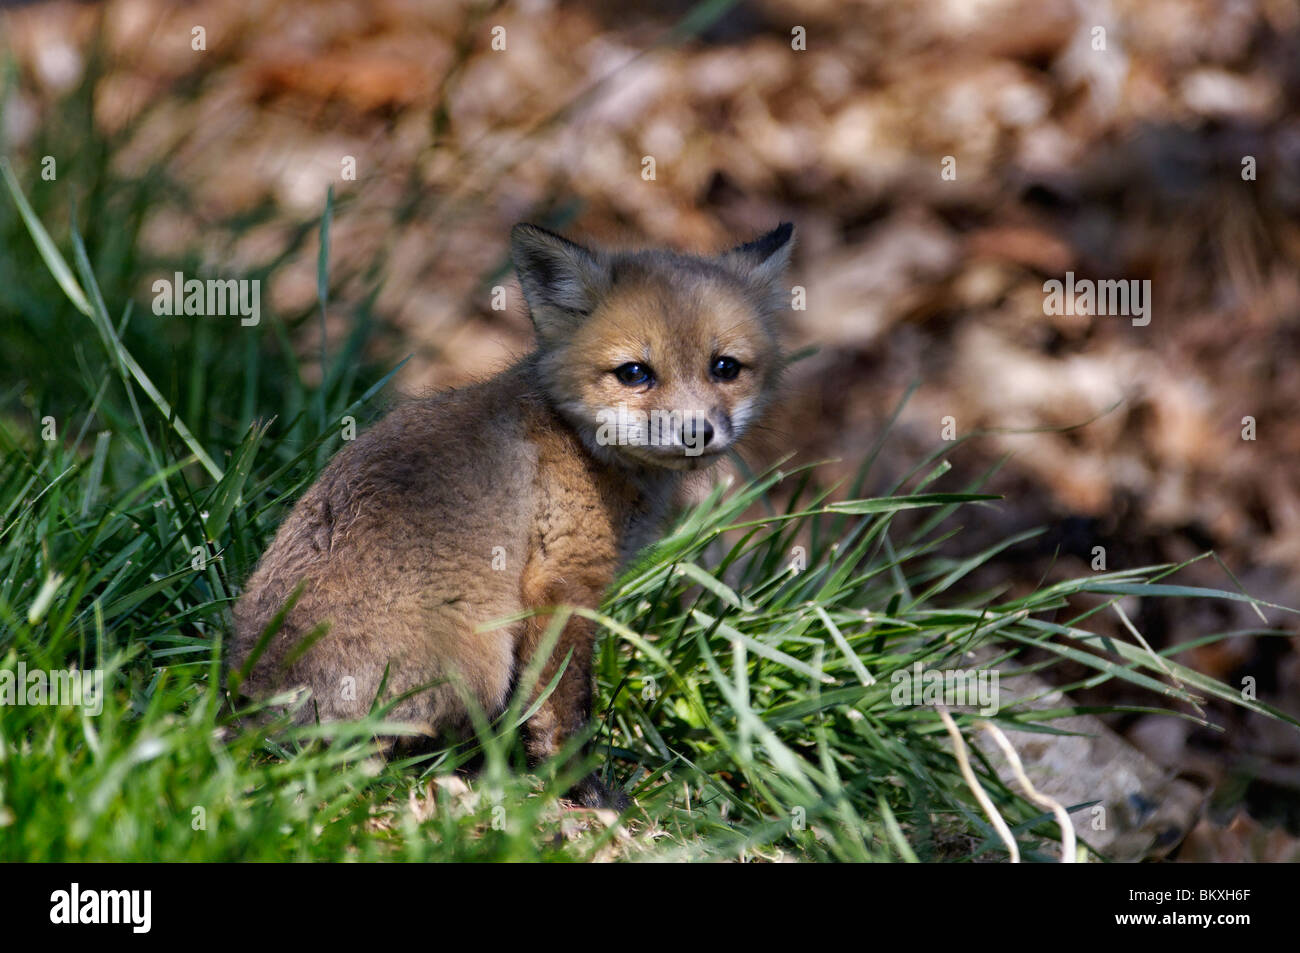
1136,139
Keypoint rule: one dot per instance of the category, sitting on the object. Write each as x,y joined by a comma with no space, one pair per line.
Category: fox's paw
592,792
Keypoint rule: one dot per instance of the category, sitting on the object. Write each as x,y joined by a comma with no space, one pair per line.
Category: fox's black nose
696,432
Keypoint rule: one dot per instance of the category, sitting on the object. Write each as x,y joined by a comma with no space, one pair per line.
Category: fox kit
526,491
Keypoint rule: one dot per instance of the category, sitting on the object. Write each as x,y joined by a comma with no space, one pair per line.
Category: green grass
743,703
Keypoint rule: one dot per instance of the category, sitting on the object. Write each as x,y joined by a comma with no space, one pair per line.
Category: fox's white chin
673,458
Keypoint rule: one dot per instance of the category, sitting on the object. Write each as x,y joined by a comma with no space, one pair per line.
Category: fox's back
421,523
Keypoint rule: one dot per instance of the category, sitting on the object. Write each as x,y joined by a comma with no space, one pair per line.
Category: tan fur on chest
586,517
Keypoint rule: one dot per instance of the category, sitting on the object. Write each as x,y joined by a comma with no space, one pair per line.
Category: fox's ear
761,263
562,281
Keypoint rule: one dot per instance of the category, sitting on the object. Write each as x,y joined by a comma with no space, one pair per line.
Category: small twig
1068,850
963,762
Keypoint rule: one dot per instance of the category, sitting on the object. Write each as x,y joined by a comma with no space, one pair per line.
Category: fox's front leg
566,712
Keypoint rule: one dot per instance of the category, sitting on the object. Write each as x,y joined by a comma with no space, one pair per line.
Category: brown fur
394,543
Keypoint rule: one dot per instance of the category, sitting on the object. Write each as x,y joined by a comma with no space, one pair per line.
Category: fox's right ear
562,281
762,263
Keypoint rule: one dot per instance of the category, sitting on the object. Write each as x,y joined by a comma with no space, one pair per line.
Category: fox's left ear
762,263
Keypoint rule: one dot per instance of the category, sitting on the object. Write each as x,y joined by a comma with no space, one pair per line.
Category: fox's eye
725,368
632,374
